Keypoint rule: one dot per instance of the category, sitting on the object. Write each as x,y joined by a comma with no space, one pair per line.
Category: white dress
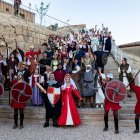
69,120
99,94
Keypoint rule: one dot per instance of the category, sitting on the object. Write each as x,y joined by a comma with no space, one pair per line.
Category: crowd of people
70,65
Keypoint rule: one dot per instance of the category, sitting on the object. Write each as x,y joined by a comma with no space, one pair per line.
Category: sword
133,79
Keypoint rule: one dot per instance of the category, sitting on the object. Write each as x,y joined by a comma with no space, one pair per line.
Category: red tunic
15,104
59,75
110,105
67,94
136,89
31,54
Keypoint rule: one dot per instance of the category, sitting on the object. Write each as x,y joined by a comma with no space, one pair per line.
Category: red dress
69,113
136,89
63,55
15,104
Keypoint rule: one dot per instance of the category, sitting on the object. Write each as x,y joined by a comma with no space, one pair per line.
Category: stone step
126,116
38,113
127,111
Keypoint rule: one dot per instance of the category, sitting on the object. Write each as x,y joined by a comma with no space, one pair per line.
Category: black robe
43,63
52,111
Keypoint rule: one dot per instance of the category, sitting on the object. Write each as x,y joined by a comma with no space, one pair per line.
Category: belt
88,81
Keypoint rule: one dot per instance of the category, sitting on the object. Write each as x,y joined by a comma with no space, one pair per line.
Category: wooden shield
115,91
21,92
53,94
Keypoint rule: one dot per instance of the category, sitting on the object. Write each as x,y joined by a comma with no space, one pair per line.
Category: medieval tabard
89,84
52,100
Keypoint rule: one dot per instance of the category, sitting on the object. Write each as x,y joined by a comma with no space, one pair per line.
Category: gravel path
83,132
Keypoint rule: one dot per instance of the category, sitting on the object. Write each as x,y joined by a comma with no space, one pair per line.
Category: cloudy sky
121,16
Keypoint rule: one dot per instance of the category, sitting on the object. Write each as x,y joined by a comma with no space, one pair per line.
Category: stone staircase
88,115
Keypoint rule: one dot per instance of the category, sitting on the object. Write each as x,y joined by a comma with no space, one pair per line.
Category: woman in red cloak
69,113
136,89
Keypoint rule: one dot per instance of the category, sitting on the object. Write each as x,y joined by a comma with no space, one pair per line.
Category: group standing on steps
66,71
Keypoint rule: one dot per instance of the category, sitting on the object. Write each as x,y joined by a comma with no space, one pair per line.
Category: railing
31,15
119,54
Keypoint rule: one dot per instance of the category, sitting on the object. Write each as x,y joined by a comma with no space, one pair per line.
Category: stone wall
14,29
25,33
135,50
134,60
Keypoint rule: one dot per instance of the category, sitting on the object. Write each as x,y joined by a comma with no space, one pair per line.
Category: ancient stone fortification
25,33
133,52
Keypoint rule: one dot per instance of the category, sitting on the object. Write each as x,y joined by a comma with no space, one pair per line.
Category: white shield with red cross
53,94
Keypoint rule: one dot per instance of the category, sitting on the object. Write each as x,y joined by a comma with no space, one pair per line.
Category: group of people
69,66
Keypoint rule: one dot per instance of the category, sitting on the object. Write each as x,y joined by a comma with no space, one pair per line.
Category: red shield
115,91
21,92
1,90
53,95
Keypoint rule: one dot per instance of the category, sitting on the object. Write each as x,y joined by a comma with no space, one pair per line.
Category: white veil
71,82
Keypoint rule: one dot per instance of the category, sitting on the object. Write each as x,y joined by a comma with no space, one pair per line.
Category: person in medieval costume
30,54
69,113
25,72
47,73
60,74
136,89
99,93
36,97
33,64
125,74
108,105
55,62
43,62
3,69
76,72
18,53
52,100
89,84
66,66
18,106
12,63
49,52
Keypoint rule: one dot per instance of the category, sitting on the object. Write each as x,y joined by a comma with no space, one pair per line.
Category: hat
103,76
20,73
67,76
110,75
87,70
77,68
32,47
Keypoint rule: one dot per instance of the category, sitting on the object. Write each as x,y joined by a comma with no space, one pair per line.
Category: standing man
18,53
16,6
125,74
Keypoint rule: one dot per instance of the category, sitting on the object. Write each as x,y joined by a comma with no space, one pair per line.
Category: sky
121,16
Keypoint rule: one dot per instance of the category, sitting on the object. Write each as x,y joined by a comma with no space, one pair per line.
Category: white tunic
99,95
